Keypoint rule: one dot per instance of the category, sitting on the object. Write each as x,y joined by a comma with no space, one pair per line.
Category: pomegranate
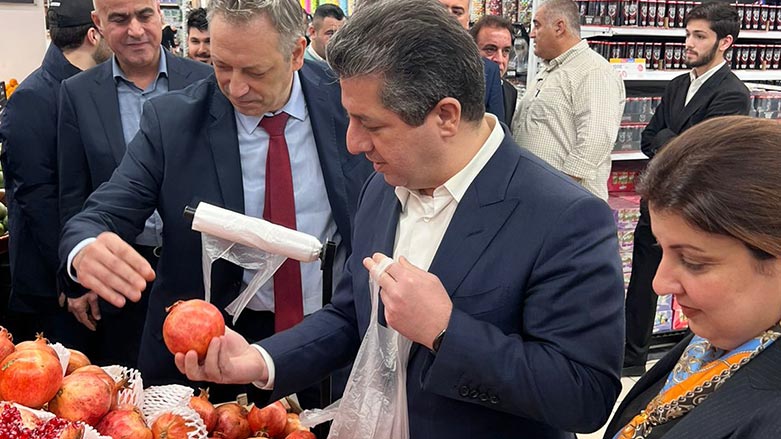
6,343
293,424
270,420
12,425
30,377
83,397
125,422
170,426
27,417
40,343
191,325
76,360
103,375
301,434
204,408
231,422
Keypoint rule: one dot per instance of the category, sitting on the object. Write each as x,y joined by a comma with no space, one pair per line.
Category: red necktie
280,208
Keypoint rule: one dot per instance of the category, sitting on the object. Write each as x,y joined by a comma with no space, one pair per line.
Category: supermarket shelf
666,75
627,155
609,31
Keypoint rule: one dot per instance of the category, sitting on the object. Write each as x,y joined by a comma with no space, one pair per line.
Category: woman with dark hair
714,195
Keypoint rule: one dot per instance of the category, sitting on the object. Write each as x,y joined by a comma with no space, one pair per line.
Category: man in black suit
709,90
209,143
99,115
494,37
28,132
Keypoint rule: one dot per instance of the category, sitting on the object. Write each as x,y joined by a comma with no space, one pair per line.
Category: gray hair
287,17
567,10
419,51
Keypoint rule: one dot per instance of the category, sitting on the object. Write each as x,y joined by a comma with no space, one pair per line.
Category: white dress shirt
424,219
697,81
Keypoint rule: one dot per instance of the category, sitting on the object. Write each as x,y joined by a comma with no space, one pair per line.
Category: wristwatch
438,341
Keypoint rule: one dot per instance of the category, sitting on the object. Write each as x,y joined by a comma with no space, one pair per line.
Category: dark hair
492,22
197,19
722,17
69,38
419,51
326,10
722,176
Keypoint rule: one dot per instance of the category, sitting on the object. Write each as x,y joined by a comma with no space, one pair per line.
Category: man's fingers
179,361
127,254
211,364
192,369
92,300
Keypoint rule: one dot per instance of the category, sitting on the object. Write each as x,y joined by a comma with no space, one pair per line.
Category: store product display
45,397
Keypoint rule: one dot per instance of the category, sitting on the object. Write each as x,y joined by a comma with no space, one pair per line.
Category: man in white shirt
499,260
326,20
709,90
571,113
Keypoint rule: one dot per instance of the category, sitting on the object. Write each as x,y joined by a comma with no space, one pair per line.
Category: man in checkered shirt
571,113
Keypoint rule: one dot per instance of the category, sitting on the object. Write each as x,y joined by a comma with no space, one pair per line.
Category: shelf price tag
629,68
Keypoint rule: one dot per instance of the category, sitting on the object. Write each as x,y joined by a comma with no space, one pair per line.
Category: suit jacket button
463,391
474,394
494,399
483,397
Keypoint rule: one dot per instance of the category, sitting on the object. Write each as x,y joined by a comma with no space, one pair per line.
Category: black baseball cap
69,13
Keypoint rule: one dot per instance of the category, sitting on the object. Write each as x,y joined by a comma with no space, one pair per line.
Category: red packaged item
680,322
661,12
652,5
642,12
672,13
630,12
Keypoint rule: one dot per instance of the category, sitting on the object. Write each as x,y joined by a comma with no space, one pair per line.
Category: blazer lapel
703,95
479,216
105,98
177,76
224,143
329,145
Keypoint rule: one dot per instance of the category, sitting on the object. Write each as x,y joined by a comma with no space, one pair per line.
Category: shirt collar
314,54
162,67
566,56
295,107
705,76
458,184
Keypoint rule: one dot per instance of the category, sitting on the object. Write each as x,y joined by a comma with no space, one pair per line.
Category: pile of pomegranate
80,396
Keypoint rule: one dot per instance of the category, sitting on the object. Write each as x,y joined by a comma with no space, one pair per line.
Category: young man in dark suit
709,90
99,115
506,343
211,142
28,132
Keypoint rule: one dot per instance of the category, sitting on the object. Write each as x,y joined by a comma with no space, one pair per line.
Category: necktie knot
275,125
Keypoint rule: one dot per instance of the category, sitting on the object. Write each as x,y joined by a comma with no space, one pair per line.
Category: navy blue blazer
745,407
28,132
187,151
535,341
91,142
494,95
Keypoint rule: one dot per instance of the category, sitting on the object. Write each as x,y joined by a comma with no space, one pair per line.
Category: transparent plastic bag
374,405
251,243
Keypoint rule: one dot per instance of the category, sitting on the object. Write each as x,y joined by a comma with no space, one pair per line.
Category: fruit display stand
50,392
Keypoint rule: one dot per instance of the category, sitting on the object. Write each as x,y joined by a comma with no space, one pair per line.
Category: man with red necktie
268,140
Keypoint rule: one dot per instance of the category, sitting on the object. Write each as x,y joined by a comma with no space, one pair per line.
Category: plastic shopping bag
374,404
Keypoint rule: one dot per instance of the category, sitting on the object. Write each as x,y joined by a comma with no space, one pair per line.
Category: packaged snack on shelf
680,321
663,322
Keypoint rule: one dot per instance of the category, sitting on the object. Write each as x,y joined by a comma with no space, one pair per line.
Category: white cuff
73,254
268,385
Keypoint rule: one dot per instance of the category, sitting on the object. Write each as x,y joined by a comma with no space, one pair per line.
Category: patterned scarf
699,372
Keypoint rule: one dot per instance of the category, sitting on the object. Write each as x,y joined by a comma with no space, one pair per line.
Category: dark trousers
640,296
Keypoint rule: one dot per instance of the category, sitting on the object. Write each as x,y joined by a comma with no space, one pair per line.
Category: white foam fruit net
174,399
133,392
63,354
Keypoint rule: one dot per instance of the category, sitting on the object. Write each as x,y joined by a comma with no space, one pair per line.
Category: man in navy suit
28,132
204,143
506,273
99,115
